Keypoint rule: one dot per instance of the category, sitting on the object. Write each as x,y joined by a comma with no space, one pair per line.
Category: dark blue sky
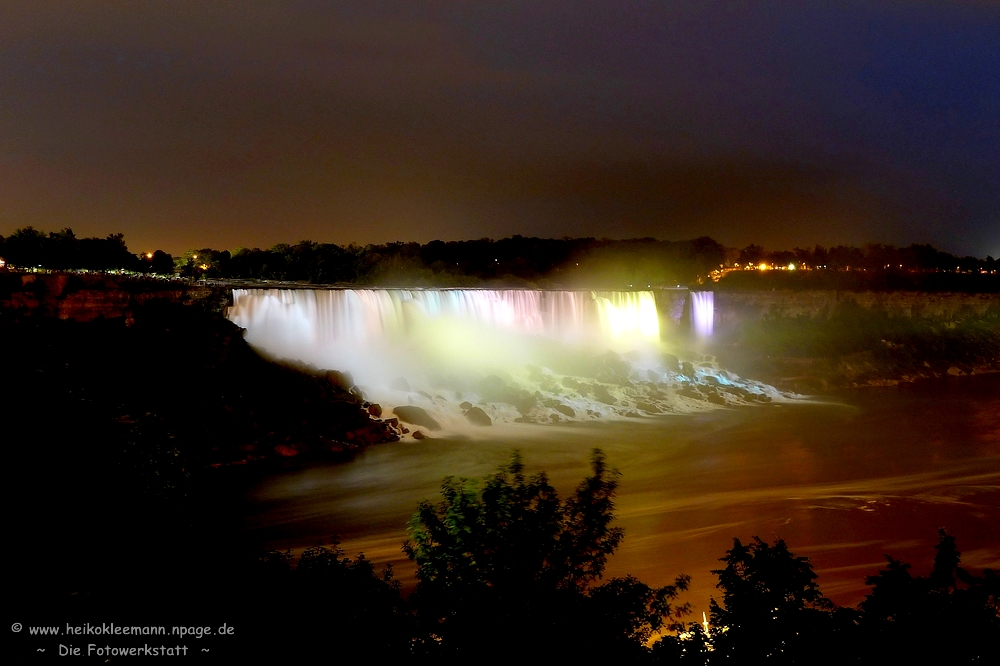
221,124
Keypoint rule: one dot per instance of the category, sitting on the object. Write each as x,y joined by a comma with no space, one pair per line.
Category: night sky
194,124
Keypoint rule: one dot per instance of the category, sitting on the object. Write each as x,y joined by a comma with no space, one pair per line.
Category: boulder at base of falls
601,394
477,416
671,363
565,409
715,398
340,379
416,416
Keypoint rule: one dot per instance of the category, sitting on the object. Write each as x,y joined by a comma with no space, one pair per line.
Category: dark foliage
874,267
324,603
871,257
514,262
773,612
525,262
950,614
517,562
772,609
61,250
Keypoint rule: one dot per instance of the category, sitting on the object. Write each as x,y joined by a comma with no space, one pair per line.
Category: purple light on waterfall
703,312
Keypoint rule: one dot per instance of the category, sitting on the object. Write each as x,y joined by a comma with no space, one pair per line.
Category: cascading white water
520,354
703,312
335,328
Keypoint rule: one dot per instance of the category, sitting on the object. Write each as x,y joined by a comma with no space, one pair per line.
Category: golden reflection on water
841,483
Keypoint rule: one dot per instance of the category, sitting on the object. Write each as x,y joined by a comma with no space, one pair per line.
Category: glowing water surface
877,471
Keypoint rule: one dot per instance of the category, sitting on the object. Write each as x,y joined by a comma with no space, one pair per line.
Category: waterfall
379,335
520,355
277,318
703,312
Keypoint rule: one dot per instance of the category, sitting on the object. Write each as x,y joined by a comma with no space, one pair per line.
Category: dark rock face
340,379
565,409
671,363
92,297
715,398
203,392
601,394
614,370
477,416
416,416
571,383
690,392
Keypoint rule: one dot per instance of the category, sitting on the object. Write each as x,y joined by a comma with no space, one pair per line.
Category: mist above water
516,355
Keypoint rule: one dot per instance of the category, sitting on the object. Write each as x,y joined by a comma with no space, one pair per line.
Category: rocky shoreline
857,371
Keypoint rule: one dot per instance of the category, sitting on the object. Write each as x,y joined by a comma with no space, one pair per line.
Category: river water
842,480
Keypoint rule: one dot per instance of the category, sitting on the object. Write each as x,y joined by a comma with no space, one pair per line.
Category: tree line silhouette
63,250
517,261
873,257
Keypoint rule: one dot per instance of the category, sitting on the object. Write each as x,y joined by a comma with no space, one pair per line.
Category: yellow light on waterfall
629,313
649,322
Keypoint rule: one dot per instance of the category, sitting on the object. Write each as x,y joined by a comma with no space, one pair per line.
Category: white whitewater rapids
518,355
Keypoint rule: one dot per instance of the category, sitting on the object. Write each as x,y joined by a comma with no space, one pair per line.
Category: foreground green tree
772,608
512,568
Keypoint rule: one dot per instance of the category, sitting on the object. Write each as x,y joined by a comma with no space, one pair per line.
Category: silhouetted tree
772,608
324,602
161,263
515,561
915,618
751,254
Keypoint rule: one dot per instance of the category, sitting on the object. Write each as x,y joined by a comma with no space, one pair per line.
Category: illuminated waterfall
520,355
359,315
703,312
360,330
